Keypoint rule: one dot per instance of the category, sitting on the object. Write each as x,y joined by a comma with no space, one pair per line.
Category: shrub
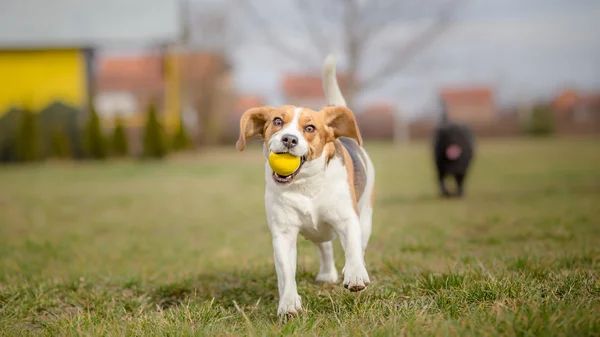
60,117
541,121
28,138
94,140
119,139
154,145
9,127
181,140
59,143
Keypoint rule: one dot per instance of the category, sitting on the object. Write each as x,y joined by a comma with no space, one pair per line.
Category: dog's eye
278,121
309,128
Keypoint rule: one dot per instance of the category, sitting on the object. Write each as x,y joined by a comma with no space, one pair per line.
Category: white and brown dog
330,194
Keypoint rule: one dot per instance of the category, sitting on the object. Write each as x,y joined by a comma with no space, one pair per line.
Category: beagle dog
330,194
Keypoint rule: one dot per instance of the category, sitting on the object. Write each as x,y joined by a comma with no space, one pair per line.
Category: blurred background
121,246
90,79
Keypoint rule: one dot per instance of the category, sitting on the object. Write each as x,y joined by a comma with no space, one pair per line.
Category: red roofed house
580,105
576,112
564,101
208,92
242,104
474,106
201,89
307,90
376,121
125,85
246,102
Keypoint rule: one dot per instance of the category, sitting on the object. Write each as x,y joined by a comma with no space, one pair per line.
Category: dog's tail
333,94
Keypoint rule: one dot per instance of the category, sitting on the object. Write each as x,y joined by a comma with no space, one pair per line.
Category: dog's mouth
286,180
453,152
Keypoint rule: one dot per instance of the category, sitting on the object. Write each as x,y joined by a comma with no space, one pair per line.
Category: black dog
454,147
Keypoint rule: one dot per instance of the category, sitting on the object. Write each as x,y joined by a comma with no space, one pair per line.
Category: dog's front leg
443,190
356,277
284,249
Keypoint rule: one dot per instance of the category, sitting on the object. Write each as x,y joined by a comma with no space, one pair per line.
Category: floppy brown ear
252,124
341,120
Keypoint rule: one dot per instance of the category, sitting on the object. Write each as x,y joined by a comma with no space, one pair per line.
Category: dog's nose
289,141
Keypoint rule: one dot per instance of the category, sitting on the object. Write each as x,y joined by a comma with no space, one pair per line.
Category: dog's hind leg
365,205
366,222
327,271
460,178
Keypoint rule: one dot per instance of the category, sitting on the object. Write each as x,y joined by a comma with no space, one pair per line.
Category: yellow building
47,54
35,79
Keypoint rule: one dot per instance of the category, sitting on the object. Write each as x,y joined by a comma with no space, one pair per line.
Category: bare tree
358,24
206,90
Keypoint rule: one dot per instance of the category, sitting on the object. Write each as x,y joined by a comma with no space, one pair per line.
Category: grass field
125,248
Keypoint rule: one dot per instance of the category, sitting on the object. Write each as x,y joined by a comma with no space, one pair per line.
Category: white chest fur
319,196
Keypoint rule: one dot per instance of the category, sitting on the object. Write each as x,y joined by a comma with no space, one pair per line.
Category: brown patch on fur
329,124
342,123
358,166
259,121
335,133
331,150
347,160
339,150
353,146
319,139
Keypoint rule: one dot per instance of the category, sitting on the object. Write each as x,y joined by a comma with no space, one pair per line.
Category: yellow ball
283,164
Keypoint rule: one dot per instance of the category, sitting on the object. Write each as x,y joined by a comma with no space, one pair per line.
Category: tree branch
211,29
403,55
380,14
275,41
321,45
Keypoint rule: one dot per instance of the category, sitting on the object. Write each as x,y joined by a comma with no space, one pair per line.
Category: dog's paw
328,277
356,278
289,306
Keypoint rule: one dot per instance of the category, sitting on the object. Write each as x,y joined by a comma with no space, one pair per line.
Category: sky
524,49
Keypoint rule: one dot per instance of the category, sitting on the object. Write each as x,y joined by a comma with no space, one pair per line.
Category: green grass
127,248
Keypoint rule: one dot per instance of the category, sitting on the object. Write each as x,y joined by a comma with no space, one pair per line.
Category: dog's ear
342,122
252,124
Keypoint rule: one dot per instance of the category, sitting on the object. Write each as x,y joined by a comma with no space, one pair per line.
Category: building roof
379,109
307,86
565,99
466,94
145,72
568,99
26,24
247,102
591,99
198,64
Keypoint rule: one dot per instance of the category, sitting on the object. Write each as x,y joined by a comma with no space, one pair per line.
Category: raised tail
333,94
